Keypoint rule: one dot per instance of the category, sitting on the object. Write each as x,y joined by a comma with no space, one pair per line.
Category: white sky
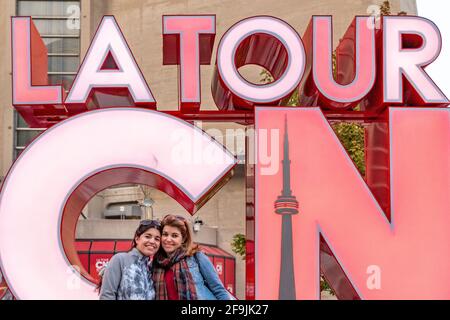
438,11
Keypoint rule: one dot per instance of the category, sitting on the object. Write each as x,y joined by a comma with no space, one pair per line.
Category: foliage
351,136
324,286
238,244
385,8
266,77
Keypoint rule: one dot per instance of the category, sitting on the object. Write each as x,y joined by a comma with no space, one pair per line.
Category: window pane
63,19
63,64
65,80
24,137
17,153
49,8
62,45
55,27
20,122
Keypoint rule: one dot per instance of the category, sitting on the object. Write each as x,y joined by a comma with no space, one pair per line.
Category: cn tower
286,205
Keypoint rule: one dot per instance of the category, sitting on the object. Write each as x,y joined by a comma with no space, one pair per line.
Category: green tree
385,8
238,244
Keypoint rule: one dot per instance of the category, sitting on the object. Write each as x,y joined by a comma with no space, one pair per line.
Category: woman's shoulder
200,258
118,258
200,255
194,255
120,255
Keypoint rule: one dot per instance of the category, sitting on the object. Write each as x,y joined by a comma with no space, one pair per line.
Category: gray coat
127,277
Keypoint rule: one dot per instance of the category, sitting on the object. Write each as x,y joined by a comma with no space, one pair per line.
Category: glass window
58,23
123,210
64,27
20,123
48,8
17,153
64,79
62,64
62,45
25,136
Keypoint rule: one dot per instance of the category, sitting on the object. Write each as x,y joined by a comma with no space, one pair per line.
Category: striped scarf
182,276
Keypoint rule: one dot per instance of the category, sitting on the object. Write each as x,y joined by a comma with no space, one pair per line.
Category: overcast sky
438,11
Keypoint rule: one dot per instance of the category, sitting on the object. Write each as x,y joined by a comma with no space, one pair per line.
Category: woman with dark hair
128,276
180,270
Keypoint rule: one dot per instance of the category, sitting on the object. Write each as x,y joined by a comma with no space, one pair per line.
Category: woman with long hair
128,275
180,270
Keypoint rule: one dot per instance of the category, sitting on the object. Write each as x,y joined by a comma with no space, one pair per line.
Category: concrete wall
110,229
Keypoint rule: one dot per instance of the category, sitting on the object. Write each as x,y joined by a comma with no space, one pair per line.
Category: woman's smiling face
148,243
171,239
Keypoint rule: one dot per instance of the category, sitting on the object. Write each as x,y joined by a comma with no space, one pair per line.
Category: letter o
293,71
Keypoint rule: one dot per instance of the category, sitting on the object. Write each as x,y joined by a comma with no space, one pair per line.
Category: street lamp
148,203
197,224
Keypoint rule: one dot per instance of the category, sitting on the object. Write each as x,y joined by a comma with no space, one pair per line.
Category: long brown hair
184,226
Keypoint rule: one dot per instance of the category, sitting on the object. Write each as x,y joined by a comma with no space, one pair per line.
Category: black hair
144,225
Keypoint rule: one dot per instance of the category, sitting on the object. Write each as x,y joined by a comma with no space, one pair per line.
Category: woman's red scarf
182,276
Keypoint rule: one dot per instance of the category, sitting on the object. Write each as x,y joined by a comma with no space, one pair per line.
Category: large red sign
310,210
338,215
